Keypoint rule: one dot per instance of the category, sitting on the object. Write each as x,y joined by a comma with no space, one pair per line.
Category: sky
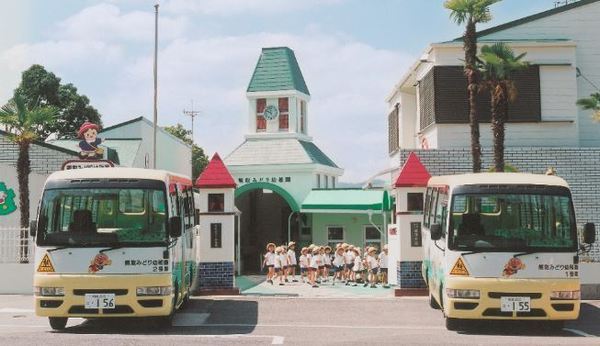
351,53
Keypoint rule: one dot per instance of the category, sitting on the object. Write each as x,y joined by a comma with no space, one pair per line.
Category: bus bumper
127,303
492,289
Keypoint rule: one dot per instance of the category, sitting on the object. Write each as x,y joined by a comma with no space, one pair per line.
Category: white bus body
501,246
113,242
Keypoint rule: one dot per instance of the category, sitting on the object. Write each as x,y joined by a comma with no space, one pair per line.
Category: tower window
302,115
261,122
284,114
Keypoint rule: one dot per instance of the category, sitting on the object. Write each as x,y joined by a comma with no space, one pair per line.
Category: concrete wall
16,278
579,167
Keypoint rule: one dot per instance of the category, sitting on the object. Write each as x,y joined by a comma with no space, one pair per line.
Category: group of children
316,262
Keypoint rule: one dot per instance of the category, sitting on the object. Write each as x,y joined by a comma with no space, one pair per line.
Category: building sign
7,200
248,180
79,164
215,235
415,234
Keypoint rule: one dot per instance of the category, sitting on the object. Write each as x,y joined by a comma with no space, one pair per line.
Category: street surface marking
20,326
277,340
225,325
579,332
14,310
190,319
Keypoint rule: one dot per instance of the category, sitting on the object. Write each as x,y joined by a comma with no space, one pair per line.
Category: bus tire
433,303
453,324
58,323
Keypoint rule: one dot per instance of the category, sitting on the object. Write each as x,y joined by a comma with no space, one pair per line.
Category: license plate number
518,304
99,301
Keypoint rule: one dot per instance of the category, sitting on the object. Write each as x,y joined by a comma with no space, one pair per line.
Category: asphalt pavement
345,316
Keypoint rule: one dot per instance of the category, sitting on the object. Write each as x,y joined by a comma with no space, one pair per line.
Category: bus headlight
153,291
567,295
49,291
464,294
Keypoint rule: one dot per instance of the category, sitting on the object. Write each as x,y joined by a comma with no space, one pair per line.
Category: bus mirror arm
439,247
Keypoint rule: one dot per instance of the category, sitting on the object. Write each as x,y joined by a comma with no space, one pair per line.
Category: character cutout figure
98,263
90,144
512,267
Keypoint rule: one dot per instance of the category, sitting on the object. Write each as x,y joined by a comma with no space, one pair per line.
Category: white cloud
348,80
106,22
236,7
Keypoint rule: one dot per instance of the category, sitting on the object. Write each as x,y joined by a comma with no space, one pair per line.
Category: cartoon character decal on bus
512,267
99,262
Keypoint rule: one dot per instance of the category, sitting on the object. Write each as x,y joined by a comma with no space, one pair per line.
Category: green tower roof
277,69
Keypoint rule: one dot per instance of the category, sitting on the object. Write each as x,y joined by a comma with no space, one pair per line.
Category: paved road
251,320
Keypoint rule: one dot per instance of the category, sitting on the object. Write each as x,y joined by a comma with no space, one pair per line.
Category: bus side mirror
175,226
33,228
589,233
436,231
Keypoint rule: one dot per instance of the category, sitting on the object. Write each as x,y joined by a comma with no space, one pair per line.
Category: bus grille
498,295
116,292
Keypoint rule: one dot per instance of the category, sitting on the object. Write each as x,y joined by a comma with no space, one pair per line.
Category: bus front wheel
58,323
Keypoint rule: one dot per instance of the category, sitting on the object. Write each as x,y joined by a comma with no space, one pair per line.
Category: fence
14,249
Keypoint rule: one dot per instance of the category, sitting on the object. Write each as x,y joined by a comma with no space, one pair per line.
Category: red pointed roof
413,173
215,175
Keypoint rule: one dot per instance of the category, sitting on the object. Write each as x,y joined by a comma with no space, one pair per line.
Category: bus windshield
99,217
512,222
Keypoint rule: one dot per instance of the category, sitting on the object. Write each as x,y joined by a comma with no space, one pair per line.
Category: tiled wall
409,275
215,275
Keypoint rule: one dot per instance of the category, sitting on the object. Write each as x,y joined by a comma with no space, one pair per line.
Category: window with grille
302,115
284,114
261,122
393,129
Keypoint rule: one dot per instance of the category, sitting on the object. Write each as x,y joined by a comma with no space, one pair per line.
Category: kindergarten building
286,185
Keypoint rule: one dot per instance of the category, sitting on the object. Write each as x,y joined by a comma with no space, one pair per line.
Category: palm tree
23,122
471,12
591,103
498,64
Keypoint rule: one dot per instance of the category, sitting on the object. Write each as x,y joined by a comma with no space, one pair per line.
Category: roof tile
413,173
215,175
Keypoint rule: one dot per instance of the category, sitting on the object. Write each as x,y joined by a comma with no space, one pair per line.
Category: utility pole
155,86
192,114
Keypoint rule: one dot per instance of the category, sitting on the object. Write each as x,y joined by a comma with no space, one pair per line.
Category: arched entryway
266,211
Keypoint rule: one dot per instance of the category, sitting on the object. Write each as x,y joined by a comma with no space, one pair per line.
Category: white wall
582,26
172,154
16,278
226,253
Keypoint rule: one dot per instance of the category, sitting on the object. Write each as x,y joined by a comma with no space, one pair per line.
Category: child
314,266
348,262
269,262
373,266
292,261
284,262
278,265
321,255
327,262
383,266
358,267
338,264
303,263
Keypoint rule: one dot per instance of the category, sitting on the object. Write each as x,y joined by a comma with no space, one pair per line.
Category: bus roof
115,172
497,179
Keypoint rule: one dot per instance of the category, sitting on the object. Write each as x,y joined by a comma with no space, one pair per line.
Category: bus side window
433,204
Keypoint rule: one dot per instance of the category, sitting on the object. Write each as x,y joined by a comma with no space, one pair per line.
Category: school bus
113,242
502,246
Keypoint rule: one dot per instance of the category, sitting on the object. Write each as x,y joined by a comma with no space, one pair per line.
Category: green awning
346,200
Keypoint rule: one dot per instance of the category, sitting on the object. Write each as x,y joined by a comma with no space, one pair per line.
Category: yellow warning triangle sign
45,265
459,268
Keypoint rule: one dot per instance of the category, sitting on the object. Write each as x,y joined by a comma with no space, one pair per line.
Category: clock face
271,112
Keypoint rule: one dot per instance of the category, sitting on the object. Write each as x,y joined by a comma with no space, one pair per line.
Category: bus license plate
518,304
99,301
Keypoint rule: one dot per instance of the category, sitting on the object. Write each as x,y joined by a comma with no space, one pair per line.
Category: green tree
471,12
24,122
199,159
40,87
498,64
591,103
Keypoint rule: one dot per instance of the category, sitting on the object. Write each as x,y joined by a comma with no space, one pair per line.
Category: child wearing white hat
292,262
383,266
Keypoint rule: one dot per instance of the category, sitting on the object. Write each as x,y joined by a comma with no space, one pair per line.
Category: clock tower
277,97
